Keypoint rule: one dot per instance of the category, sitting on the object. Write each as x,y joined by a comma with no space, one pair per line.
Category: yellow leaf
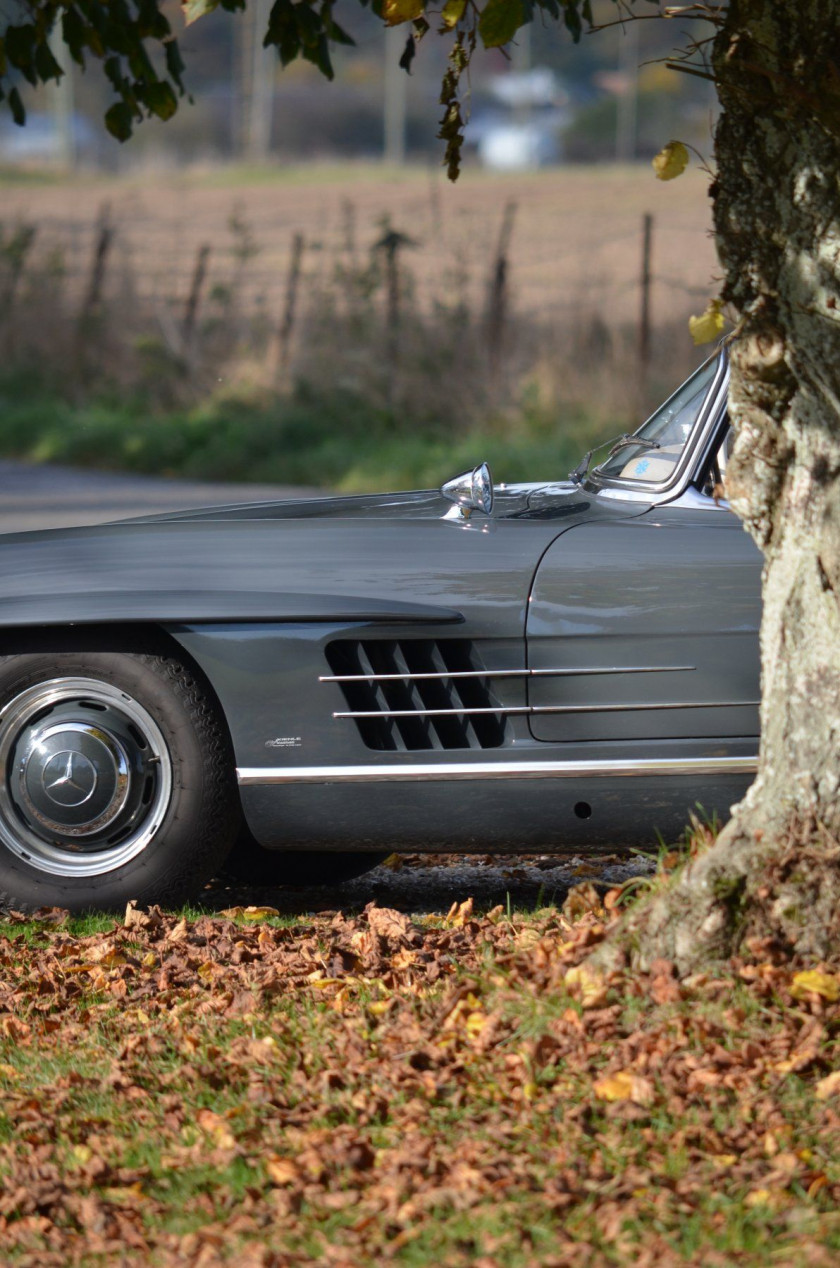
82,1153
709,325
321,983
452,12
671,161
624,1086
379,1007
813,981
724,1160
587,985
459,914
475,1023
829,1086
758,1197
396,11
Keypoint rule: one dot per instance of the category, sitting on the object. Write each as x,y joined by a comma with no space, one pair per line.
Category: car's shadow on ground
421,886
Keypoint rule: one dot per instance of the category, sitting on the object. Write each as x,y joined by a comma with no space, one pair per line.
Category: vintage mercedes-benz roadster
294,689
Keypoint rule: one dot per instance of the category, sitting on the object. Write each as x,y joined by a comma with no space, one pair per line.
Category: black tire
118,781
253,864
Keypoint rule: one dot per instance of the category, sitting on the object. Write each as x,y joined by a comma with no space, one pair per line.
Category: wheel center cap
69,778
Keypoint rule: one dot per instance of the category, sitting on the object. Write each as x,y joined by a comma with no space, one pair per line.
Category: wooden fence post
279,358
194,298
644,307
390,244
497,302
348,224
104,238
15,254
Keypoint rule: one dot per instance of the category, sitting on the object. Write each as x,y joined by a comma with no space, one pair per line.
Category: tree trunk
775,870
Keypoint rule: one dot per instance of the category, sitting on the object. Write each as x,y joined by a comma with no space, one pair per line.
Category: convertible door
647,629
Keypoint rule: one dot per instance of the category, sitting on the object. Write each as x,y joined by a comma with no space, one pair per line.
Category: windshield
652,453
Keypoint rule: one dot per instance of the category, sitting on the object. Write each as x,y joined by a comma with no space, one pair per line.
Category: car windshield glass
652,453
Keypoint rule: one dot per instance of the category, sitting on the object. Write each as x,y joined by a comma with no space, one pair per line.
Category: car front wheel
118,781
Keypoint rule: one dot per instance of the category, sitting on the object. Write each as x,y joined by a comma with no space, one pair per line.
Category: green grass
332,440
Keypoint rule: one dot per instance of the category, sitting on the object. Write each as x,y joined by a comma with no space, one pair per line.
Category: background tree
775,870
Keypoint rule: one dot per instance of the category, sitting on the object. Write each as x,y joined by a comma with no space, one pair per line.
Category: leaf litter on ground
355,1089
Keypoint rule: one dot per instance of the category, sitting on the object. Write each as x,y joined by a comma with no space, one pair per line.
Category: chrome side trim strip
529,710
509,673
252,776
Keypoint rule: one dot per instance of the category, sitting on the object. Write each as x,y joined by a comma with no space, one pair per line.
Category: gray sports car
297,688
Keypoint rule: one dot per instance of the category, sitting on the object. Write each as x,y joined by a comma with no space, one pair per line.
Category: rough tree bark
774,872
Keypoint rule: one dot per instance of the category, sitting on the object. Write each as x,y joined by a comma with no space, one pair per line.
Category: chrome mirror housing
472,491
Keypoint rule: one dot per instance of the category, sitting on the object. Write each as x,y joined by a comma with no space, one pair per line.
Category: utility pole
62,105
263,62
254,78
396,86
628,103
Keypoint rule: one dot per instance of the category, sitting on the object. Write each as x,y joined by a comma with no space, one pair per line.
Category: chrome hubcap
88,777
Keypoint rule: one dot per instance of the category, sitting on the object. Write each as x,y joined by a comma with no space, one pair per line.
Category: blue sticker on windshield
641,467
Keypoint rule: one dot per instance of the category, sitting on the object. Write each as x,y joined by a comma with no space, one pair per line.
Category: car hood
322,560
415,504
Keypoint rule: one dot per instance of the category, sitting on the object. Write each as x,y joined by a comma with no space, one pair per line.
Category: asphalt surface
422,886
33,497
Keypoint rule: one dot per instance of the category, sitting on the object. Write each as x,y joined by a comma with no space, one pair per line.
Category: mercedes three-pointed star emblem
69,778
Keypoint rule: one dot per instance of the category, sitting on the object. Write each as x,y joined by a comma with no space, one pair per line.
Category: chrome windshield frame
691,458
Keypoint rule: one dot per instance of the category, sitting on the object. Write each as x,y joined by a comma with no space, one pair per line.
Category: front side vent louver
413,694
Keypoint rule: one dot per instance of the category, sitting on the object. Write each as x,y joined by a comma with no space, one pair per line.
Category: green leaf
499,22
46,65
195,9
119,121
17,108
174,63
73,34
20,49
161,100
408,54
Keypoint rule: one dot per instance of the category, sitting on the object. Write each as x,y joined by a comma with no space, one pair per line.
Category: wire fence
421,311
156,256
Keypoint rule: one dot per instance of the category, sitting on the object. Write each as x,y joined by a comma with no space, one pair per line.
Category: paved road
53,497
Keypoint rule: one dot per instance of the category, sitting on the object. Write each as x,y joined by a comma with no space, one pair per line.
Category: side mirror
472,491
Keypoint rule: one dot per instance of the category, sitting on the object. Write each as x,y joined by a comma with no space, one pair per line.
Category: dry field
575,246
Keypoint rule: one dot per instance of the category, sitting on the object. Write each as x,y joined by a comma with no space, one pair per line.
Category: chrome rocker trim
252,776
